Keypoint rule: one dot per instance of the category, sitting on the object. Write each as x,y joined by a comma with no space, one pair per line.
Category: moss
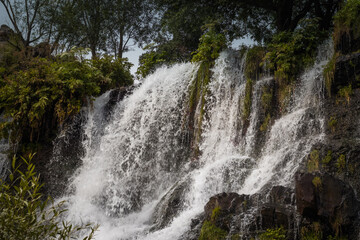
266,98
313,162
312,232
210,232
317,182
283,95
236,237
332,124
215,213
341,163
247,100
329,72
326,160
344,94
274,234
197,93
254,61
264,126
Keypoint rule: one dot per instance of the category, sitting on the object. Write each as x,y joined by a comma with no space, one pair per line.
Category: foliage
149,61
264,126
347,19
344,93
215,213
211,43
317,182
327,158
254,60
312,232
274,234
247,100
44,93
332,124
341,163
313,162
127,22
329,71
290,52
24,214
210,232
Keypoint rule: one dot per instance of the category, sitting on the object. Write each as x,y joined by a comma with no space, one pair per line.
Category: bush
46,92
149,61
211,43
290,52
24,214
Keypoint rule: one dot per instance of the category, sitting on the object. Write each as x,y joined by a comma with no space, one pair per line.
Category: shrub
46,92
332,124
211,43
149,61
25,215
290,52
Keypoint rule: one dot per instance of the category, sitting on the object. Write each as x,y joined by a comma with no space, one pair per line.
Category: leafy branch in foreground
25,215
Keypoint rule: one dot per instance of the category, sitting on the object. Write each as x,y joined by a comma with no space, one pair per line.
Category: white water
132,161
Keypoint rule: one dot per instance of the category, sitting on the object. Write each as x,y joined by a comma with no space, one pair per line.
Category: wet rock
170,205
116,96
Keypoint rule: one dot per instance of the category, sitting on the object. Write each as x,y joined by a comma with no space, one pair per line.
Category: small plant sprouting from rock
332,124
341,163
274,234
317,182
327,159
265,124
344,95
209,231
313,162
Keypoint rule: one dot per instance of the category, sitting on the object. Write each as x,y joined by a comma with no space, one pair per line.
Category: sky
134,53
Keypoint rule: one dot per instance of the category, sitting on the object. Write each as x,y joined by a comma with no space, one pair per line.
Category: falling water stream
140,156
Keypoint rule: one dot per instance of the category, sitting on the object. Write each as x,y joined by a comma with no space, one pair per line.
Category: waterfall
138,161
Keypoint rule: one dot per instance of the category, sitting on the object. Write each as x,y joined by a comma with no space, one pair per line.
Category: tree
129,20
25,17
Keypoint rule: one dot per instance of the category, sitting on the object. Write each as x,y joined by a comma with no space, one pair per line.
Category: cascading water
140,159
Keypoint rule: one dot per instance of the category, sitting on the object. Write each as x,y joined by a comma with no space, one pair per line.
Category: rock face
327,200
